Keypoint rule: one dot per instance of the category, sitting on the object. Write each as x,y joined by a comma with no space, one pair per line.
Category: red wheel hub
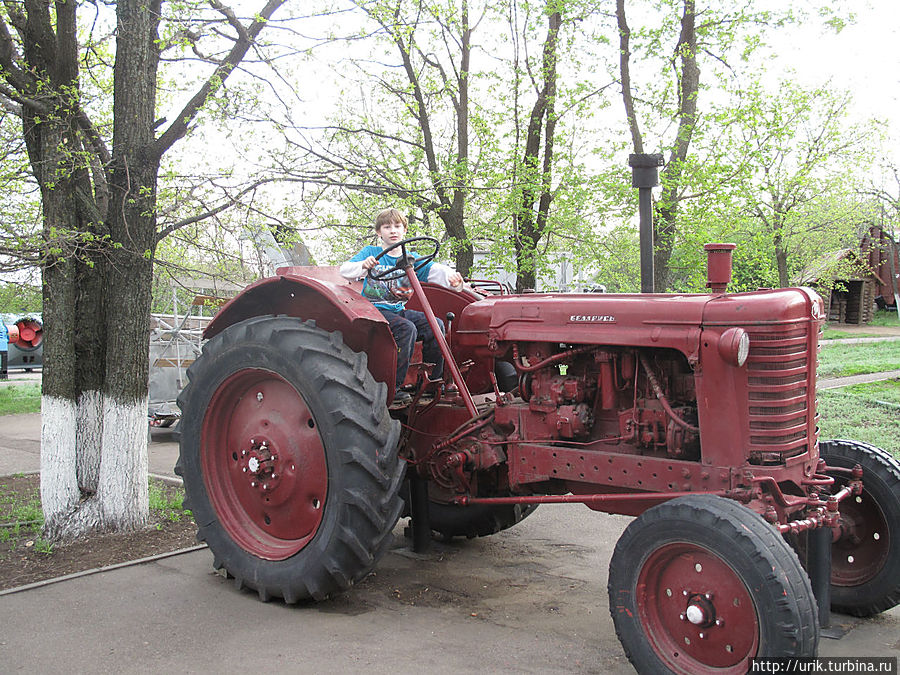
264,464
862,548
697,611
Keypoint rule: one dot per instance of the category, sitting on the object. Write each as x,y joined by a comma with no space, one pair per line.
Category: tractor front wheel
289,458
865,557
701,584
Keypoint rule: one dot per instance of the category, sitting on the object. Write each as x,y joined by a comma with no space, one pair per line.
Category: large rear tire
702,584
289,458
865,559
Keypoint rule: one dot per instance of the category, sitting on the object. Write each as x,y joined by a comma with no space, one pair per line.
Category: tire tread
364,447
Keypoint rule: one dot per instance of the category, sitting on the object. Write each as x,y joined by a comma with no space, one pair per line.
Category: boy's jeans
407,326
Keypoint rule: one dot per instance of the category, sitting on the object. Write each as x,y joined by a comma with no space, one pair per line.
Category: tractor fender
320,294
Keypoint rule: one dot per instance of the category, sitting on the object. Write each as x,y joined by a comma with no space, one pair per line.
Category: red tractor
695,413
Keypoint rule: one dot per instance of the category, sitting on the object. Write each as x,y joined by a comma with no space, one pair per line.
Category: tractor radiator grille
779,373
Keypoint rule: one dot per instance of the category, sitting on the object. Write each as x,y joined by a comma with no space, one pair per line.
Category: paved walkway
18,377
837,382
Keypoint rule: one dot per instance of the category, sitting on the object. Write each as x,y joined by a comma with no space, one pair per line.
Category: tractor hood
657,320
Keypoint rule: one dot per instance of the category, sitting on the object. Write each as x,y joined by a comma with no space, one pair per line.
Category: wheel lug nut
253,483
702,635
719,622
682,616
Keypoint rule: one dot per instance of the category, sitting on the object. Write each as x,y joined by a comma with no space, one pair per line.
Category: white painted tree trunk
88,439
119,454
122,490
59,487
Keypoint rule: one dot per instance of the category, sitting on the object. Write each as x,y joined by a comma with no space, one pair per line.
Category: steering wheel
399,268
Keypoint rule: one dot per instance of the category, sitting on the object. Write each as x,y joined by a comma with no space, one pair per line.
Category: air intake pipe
718,266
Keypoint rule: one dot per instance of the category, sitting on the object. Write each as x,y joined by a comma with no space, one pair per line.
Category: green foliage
167,500
796,152
43,546
20,298
373,151
24,511
20,225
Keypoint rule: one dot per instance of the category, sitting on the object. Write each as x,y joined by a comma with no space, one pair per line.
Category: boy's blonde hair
389,216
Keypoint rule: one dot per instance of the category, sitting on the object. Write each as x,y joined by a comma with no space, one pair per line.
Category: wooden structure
850,296
882,254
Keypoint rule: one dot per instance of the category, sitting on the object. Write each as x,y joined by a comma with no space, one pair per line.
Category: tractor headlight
734,346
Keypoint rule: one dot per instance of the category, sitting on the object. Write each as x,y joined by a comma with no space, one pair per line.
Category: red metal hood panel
594,318
783,305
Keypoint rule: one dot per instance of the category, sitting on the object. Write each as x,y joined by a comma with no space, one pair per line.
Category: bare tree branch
179,127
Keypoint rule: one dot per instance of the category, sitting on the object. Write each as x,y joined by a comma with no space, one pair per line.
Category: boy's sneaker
401,398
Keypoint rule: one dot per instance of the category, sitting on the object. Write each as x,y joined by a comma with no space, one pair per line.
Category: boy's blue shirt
390,295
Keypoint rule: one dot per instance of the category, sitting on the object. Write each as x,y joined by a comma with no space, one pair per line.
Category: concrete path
836,382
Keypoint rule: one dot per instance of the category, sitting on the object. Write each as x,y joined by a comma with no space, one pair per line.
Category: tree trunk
122,488
55,151
59,485
454,224
665,228
97,480
665,225
99,236
665,222
537,164
781,259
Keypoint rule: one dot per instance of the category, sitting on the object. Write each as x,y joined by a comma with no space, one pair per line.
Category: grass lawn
885,318
863,412
20,398
838,360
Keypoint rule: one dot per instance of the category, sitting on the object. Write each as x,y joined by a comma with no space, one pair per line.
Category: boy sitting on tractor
388,289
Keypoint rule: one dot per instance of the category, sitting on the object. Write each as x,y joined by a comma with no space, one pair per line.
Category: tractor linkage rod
449,361
465,500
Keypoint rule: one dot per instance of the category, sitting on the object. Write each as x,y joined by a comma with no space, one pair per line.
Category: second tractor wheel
289,458
865,557
701,584
475,521
480,520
